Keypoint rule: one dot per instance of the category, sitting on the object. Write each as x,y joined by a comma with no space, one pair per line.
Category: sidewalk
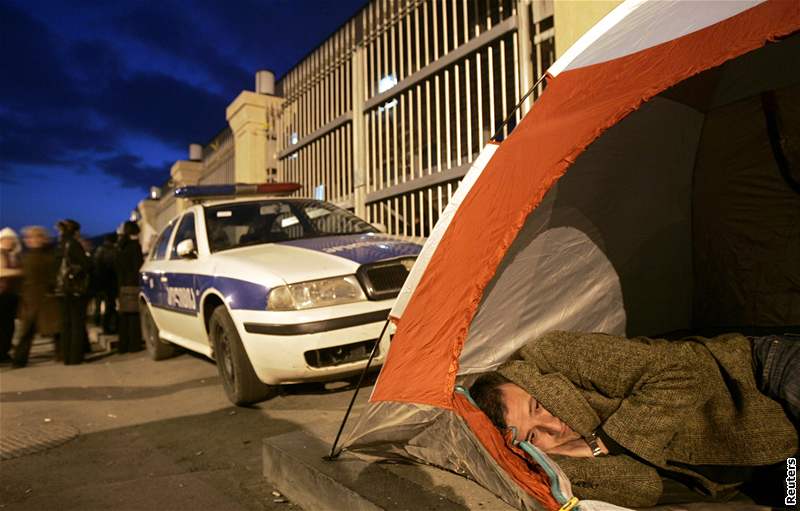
123,432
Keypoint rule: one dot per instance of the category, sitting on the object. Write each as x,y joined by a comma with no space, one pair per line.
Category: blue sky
98,99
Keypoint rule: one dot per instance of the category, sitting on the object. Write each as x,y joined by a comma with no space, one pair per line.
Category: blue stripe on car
361,248
175,293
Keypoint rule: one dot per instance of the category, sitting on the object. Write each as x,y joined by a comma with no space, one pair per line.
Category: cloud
163,107
50,140
184,38
132,171
59,115
268,38
45,117
33,76
93,63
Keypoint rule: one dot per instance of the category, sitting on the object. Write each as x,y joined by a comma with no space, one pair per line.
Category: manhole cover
16,442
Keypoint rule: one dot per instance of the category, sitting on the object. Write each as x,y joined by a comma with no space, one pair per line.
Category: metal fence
386,116
315,126
400,100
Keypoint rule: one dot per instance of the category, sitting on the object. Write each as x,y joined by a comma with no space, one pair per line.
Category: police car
276,289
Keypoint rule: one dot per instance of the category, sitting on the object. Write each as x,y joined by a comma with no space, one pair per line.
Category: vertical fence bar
490,79
479,99
392,110
503,98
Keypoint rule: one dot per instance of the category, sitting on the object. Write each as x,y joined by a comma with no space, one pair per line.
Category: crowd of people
46,288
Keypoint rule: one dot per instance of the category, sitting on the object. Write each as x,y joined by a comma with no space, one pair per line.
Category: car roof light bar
235,190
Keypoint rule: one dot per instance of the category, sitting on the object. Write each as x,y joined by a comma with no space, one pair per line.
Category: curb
293,463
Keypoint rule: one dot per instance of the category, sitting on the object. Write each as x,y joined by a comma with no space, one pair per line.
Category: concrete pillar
359,133
252,117
572,19
185,173
195,152
265,82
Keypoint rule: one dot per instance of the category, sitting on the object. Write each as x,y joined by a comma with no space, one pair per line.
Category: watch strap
594,445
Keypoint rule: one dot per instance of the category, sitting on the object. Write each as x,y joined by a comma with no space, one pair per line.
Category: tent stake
333,454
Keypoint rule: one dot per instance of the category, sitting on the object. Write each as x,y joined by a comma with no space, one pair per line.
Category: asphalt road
127,433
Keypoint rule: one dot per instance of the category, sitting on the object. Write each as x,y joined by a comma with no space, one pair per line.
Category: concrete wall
573,18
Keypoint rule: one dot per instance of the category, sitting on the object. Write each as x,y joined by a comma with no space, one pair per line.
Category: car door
182,316
154,278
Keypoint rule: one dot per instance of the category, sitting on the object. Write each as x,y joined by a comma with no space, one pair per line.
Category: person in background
129,260
39,311
88,249
10,280
106,284
72,283
86,244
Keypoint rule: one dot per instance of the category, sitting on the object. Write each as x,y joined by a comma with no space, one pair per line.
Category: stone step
294,463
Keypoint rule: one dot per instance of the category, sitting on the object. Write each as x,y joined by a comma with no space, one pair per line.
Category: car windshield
251,223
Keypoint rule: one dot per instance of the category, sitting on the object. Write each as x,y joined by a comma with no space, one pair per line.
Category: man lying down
630,419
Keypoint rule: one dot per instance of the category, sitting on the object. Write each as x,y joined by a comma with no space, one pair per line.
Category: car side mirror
379,226
186,249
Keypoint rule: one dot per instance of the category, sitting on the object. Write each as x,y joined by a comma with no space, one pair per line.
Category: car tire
157,348
239,379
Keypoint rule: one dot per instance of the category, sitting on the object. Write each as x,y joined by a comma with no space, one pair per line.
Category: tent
652,188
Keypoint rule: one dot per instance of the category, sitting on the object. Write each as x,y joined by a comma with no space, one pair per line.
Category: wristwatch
594,446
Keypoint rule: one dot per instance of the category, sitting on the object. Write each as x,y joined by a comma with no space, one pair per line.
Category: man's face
7,243
532,422
34,241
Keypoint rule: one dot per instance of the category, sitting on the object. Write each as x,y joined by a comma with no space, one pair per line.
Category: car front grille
382,280
337,355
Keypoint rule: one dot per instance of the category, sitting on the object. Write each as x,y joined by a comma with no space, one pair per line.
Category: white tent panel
637,25
588,259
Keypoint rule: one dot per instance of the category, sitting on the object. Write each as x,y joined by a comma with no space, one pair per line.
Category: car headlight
316,293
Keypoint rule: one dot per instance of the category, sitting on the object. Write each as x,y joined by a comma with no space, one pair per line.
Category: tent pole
522,100
333,454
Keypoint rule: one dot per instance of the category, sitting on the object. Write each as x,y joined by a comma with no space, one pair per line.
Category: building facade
386,116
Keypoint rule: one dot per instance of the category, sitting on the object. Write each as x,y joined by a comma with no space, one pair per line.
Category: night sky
98,99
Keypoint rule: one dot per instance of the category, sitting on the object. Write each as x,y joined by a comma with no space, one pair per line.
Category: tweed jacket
691,402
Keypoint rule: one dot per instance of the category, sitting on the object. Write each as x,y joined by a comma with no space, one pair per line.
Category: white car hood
310,259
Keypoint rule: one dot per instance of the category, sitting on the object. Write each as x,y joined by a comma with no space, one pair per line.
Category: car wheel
238,377
157,348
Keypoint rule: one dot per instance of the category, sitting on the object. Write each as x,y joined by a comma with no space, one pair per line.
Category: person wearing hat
106,288
72,283
128,261
10,281
39,310
630,421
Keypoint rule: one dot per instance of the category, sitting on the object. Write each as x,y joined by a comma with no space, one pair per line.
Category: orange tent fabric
578,106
